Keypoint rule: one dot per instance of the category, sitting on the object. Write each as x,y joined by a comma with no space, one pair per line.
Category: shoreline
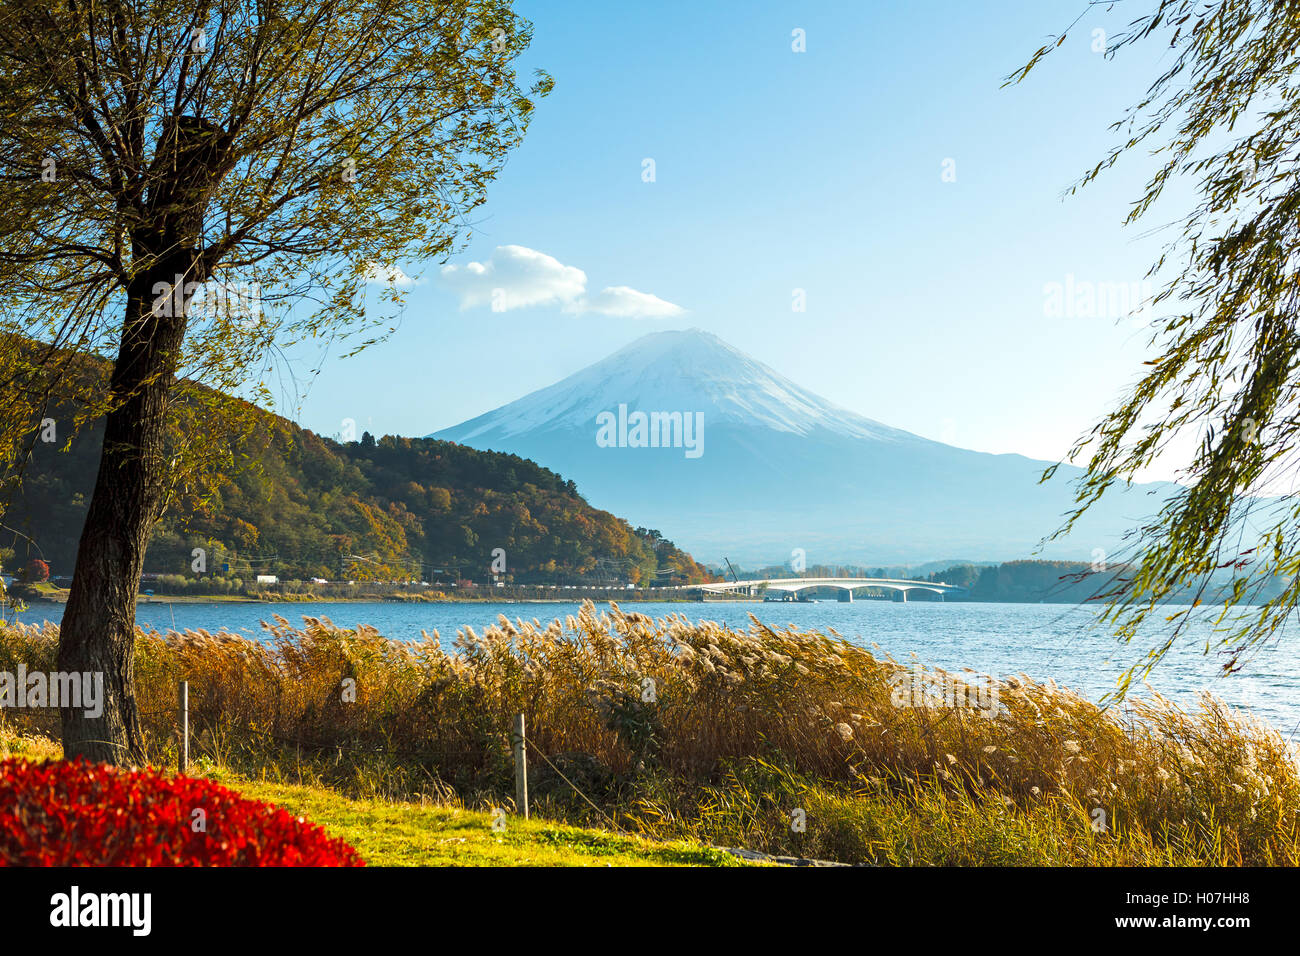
382,599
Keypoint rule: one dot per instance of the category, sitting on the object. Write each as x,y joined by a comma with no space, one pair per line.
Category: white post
183,699
521,767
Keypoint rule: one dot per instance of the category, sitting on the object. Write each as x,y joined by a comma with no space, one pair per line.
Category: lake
1042,640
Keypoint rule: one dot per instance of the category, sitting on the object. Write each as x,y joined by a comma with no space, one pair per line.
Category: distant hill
778,468
1073,582
1026,581
302,506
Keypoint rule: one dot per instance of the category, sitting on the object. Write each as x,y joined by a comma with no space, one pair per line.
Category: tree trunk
98,629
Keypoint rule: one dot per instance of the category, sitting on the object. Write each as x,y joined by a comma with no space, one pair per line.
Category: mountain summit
684,433
690,369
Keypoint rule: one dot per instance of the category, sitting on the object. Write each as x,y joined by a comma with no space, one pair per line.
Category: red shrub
75,813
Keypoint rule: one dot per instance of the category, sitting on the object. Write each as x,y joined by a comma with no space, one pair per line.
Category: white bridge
792,586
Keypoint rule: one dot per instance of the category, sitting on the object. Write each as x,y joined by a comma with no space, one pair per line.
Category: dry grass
742,726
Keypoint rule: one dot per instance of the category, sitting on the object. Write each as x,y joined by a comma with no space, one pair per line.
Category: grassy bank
404,834
781,741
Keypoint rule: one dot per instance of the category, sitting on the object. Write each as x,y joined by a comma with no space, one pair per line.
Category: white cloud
516,277
377,274
628,303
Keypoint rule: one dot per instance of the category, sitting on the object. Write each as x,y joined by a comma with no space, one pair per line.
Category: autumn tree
190,187
1221,116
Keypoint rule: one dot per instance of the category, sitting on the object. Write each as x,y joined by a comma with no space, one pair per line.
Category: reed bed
674,728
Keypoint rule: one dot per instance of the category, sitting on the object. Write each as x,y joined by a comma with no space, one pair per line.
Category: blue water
1042,640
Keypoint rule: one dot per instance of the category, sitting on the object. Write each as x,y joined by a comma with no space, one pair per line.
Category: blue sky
821,171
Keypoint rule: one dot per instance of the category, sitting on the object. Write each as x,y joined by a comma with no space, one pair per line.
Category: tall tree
1223,115
191,186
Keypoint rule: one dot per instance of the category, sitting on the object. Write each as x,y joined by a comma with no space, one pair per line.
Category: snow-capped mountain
681,432
674,370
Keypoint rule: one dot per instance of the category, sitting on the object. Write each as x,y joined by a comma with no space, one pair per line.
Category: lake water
1042,640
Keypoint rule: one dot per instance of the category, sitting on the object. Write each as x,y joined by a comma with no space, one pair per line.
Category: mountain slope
675,370
781,468
301,506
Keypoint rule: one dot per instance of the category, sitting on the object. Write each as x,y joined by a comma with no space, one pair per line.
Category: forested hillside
298,505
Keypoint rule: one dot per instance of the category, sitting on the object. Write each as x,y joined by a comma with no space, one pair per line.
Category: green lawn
397,834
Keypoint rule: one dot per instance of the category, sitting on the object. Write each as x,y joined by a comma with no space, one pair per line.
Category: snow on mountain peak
687,370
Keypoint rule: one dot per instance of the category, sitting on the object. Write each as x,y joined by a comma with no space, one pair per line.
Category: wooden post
183,699
521,767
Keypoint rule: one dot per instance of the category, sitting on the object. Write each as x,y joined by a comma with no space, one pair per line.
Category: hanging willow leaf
1224,118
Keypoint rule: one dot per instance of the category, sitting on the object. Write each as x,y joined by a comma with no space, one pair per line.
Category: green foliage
1222,118
300,506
